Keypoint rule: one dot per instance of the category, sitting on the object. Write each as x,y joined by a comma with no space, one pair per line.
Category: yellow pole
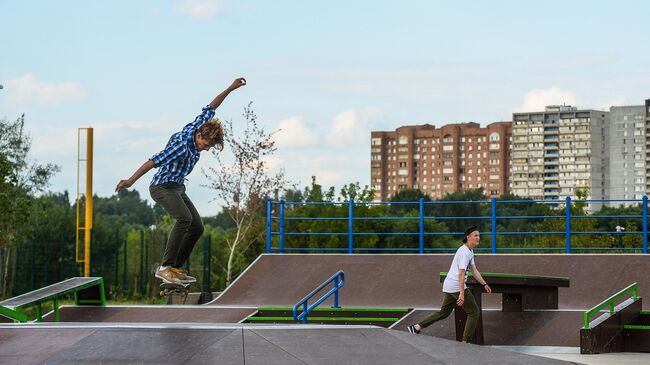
89,201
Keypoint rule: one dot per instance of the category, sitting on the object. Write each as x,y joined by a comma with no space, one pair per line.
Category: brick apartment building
441,160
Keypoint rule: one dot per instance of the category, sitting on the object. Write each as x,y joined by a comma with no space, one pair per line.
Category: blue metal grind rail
338,279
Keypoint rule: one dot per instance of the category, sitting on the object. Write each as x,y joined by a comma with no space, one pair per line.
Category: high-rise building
647,146
627,156
558,151
441,160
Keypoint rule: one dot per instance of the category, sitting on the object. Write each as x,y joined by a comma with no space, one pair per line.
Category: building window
447,139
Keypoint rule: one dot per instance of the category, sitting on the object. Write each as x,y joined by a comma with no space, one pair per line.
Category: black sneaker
412,329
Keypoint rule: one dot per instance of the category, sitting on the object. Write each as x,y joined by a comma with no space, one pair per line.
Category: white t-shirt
463,259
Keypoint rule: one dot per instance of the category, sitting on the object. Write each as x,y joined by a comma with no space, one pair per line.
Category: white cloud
26,89
294,132
274,163
351,127
337,168
200,9
537,99
53,141
330,177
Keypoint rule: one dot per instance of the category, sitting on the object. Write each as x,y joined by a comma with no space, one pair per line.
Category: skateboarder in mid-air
167,187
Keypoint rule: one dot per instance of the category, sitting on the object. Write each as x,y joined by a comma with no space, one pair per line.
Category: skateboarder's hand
461,299
239,82
123,184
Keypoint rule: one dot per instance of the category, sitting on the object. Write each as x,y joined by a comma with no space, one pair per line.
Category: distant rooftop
561,108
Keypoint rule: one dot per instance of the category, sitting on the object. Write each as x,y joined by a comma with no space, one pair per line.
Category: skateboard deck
170,289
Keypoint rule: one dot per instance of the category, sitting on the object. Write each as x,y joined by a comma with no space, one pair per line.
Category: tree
20,179
473,206
406,196
243,184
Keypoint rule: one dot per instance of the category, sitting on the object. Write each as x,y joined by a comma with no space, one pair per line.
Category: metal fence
277,220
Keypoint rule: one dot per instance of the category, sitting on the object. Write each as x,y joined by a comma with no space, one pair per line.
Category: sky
322,74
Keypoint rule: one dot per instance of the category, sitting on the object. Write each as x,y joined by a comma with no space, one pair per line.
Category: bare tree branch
242,185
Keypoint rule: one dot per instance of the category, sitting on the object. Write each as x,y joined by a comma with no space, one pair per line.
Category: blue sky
325,73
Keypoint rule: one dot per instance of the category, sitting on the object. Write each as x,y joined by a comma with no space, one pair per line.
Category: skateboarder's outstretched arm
125,184
239,82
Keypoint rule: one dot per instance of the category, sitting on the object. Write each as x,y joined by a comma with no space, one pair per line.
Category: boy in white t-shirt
461,265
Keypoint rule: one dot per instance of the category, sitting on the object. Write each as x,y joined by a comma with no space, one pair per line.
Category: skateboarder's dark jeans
448,305
188,227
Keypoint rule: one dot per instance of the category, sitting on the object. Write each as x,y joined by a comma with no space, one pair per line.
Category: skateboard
170,290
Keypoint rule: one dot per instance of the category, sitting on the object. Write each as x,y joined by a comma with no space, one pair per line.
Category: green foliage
408,196
20,179
45,244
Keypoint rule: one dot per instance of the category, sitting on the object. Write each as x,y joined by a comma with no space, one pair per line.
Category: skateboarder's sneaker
412,329
182,275
167,275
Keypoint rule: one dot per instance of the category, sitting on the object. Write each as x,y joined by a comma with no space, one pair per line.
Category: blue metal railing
491,205
338,279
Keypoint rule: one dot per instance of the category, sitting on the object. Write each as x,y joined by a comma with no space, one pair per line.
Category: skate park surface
213,333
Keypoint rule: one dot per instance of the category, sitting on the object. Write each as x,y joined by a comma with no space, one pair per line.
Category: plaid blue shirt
180,155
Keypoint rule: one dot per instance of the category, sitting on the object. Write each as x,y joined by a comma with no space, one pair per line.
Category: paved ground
573,354
239,344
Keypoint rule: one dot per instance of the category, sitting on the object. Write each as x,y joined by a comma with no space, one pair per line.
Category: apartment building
441,160
647,145
558,151
627,153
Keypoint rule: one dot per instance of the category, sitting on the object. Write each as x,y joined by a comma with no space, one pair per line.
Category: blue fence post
268,225
281,225
421,226
645,224
494,225
351,226
567,221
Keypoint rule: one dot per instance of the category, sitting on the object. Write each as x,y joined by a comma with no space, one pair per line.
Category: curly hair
213,132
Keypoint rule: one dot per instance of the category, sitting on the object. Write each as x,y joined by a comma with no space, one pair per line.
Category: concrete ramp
412,281
154,314
528,328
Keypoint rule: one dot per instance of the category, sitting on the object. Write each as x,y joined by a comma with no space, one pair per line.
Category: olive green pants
188,227
448,305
